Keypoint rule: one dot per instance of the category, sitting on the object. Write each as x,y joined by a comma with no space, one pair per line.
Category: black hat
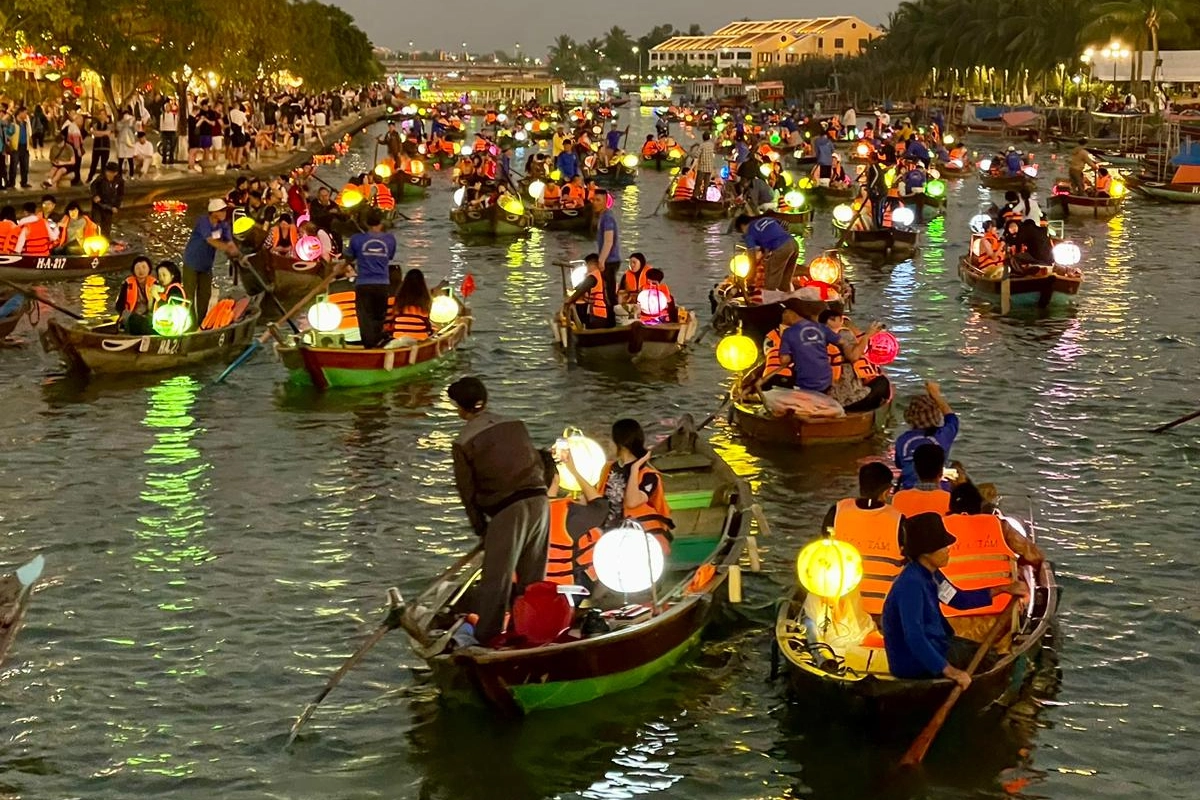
925,533
468,393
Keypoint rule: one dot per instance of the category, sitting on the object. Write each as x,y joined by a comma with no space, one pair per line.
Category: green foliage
608,57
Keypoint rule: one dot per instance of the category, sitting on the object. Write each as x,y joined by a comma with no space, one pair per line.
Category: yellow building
756,46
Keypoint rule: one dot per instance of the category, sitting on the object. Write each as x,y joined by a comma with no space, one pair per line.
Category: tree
1147,15
618,48
695,30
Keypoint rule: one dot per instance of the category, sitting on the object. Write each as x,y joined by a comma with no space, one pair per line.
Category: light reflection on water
267,520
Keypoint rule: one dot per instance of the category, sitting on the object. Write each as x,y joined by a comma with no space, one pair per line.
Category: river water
214,553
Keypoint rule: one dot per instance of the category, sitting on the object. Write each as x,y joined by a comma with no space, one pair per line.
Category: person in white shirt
143,155
168,126
850,123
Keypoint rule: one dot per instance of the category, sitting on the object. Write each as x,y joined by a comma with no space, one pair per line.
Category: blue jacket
908,442
916,635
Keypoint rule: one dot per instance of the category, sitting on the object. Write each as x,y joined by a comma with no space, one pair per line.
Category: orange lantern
825,269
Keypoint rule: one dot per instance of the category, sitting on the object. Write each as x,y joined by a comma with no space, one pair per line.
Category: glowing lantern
1117,189
172,319
794,200
537,190
676,152
1067,254
653,302
737,353
324,316
444,310
765,170
308,248
935,188
739,265
529,126
597,130
511,204
863,150
383,171
243,225
882,349
350,198
95,246
948,138
1031,170
825,269
903,217
788,178
588,457
955,163
627,559
712,194
773,157
774,138
578,275
843,214
520,136
629,161
978,222
417,168
502,118
422,149
556,174
805,182
985,165
829,568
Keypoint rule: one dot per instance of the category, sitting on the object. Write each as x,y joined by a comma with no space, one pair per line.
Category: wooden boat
1053,284
861,687
563,219
635,340
700,209
15,267
662,161
290,278
104,350
350,222
711,508
15,592
615,176
888,242
921,202
327,363
964,170
490,221
832,193
12,307
405,185
754,420
795,221
1064,205
1174,191
1007,182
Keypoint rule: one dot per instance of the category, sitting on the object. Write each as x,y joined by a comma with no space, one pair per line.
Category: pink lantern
308,248
653,303
882,349
300,220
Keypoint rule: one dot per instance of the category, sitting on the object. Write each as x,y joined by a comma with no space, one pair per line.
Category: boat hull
1039,291
405,186
698,209
490,221
1004,183
564,219
633,341
887,242
795,432
1066,206
15,267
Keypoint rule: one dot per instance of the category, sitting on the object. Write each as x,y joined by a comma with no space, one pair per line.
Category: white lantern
903,217
589,460
713,194
537,190
653,302
842,214
985,165
324,316
459,194
627,559
578,275
444,310
1067,254
979,221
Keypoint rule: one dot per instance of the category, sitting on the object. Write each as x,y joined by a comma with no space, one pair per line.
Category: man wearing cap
371,253
769,241
919,641
803,345
501,481
212,232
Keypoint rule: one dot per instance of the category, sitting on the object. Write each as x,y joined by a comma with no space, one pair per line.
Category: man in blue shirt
212,232
804,345
608,245
613,140
931,421
566,162
371,253
769,242
823,147
919,641
1012,162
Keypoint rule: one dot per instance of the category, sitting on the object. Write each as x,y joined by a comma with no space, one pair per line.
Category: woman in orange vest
412,305
283,234
9,230
633,488
634,279
381,195
574,525
136,299
169,285
685,186
74,229
599,315
552,196
989,250
576,193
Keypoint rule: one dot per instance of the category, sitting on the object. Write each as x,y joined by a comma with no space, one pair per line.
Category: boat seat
681,462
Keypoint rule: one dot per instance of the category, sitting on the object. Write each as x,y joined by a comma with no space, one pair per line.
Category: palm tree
1147,15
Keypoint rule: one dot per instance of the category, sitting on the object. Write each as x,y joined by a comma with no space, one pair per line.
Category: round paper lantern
324,316
627,559
171,319
444,310
740,265
978,221
308,248
459,195
985,165
862,150
243,225
935,188
948,138
825,269
520,136
712,194
589,460
1117,189
1067,254
417,168
578,274
653,302
383,171
537,190
350,198
805,182
1031,170
556,174
843,214
95,246
794,200
765,170
903,217
829,568
629,161
511,204
737,353
882,348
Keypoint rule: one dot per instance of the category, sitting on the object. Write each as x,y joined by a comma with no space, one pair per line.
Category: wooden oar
244,263
258,342
1180,421
920,746
36,295
390,622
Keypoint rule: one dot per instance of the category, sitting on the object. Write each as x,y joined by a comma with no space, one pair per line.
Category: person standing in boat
705,166
371,253
919,641
211,233
608,247
770,246
501,481
931,421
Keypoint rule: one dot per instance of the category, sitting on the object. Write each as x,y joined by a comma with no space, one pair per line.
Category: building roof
757,34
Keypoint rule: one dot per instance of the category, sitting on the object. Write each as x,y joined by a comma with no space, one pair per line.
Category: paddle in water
1172,424
390,622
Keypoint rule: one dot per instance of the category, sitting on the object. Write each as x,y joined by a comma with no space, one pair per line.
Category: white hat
809,293
216,204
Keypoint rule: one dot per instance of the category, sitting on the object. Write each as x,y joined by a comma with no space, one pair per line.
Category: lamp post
639,61
1117,52
464,51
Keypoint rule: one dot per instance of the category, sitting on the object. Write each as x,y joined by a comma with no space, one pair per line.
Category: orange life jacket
1103,183
650,149
575,195
888,210
282,237
567,557
133,290
89,229
771,344
911,502
874,532
662,314
685,187
983,259
9,231
346,303
655,515
635,281
413,323
552,194
383,199
597,306
980,558
38,241
481,145
866,371
166,293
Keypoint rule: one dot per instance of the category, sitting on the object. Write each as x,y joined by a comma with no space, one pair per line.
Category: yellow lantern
765,170
324,316
829,568
350,198
825,269
511,204
739,266
383,171
630,161
243,225
444,310
589,460
737,353
417,168
805,182
863,150
788,178
1117,189
95,246
556,175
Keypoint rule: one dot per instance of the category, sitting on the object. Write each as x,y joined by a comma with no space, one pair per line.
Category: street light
1117,52
639,61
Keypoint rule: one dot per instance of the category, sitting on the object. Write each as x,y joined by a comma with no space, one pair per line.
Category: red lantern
78,90
68,83
882,349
